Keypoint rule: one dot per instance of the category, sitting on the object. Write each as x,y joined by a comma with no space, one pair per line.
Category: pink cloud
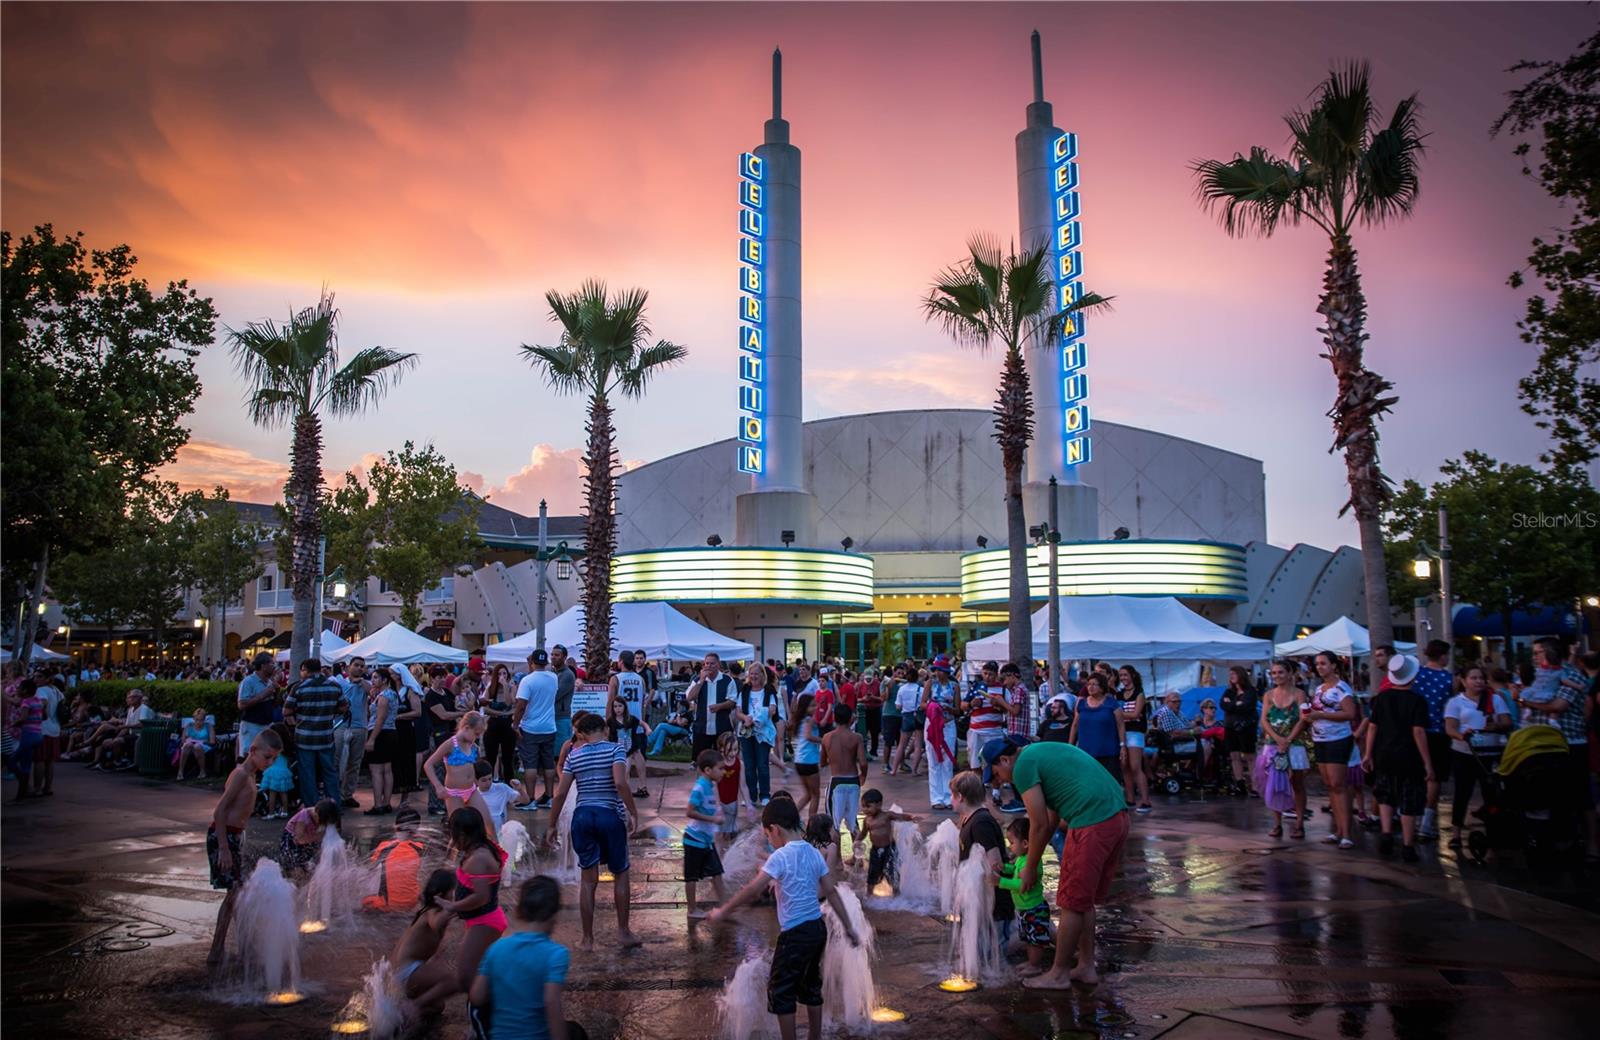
553,474
203,465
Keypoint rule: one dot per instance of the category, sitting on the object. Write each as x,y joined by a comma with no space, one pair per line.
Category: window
563,570
444,592
383,587
264,583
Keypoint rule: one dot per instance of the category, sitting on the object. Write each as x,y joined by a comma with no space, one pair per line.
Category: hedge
220,699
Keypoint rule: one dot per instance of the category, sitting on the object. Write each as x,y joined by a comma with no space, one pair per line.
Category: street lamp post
66,630
316,621
1422,567
544,573
1054,669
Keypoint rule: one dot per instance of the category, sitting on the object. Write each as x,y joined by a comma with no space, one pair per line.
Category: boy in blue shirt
517,994
800,875
700,859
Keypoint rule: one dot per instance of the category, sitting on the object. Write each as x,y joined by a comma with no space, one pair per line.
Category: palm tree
1344,167
989,299
293,376
605,347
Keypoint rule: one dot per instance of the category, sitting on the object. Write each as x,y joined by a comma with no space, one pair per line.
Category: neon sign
1069,285
752,314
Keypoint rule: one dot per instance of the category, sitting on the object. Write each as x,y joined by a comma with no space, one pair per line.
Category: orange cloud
203,465
553,474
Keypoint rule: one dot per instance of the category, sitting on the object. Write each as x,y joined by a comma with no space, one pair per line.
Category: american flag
337,628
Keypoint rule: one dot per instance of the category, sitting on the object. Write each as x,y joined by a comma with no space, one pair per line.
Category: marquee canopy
658,629
1343,637
1129,628
396,644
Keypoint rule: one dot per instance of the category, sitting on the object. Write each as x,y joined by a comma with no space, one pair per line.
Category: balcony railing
274,601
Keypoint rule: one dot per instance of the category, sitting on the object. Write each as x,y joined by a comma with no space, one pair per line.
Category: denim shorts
599,832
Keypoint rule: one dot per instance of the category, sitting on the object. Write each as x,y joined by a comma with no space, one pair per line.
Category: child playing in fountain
823,834
1033,915
700,859
519,984
302,838
981,834
496,795
883,862
278,782
227,825
414,970
800,876
460,754
728,789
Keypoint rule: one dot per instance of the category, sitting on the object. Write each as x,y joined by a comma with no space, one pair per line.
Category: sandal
1276,832
1298,832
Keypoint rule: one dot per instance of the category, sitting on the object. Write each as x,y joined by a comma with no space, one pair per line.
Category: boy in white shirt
496,795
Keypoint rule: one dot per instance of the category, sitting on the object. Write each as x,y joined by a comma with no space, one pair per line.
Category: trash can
152,754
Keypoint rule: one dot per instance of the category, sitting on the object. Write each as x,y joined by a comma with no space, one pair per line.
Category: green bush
220,699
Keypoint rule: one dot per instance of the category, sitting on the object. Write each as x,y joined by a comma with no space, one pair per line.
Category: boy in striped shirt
700,859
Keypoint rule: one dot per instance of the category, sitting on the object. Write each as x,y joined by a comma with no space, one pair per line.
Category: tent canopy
1343,637
330,644
39,654
1129,628
396,644
656,628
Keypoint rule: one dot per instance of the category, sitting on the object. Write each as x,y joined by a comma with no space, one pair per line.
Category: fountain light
313,927
284,997
952,918
883,890
958,984
607,876
885,1014
350,1026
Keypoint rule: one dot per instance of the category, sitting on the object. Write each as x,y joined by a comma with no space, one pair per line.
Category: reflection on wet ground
1214,931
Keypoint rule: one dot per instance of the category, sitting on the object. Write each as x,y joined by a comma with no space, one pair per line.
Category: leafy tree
407,526
992,299
1562,104
293,376
98,375
1519,537
223,556
1345,167
139,579
605,348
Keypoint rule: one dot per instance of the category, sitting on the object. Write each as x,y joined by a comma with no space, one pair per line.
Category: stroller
1527,801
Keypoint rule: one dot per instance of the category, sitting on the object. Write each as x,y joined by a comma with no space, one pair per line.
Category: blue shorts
598,832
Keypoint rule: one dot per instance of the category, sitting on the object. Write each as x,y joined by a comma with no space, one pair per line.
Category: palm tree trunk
600,539
1013,427
305,487
1355,412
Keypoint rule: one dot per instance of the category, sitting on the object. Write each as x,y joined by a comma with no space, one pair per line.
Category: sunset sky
442,166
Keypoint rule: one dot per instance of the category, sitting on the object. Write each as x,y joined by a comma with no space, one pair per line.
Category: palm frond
1388,175
632,379
1252,194
270,406
563,366
959,304
1048,331
364,379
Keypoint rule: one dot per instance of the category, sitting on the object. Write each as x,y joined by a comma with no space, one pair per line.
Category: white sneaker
1330,839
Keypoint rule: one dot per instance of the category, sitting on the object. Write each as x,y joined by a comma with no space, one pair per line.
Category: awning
438,635
256,639
281,641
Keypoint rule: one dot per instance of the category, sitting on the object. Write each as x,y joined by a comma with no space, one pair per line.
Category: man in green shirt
1064,788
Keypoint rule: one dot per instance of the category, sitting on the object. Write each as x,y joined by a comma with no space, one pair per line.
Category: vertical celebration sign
752,315
1069,286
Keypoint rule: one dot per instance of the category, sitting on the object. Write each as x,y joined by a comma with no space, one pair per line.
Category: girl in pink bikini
459,754
476,902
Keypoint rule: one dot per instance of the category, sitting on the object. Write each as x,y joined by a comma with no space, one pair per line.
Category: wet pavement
1214,930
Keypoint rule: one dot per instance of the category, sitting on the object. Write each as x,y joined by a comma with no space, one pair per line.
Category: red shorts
1091,857
49,750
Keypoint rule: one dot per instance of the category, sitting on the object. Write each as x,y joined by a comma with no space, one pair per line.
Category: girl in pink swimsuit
458,754
476,902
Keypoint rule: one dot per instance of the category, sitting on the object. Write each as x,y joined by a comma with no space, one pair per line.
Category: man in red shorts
1063,787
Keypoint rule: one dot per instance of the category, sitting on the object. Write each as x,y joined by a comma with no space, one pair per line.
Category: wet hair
969,785
327,813
821,831
467,831
781,813
1018,828
782,794
439,883
270,739
841,715
538,899
407,819
589,723
481,769
710,758
871,796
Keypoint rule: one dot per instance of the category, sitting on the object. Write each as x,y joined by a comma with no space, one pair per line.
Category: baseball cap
539,657
993,750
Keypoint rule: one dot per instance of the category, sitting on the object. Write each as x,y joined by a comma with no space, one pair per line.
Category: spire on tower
777,83
1038,69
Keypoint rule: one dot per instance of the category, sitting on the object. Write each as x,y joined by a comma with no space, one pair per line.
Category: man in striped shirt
314,704
601,821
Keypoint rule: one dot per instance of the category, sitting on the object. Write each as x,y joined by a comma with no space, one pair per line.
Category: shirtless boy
233,811
846,756
878,824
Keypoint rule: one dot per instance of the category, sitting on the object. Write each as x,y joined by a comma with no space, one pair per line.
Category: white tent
39,654
396,644
330,644
1343,637
656,628
1129,629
